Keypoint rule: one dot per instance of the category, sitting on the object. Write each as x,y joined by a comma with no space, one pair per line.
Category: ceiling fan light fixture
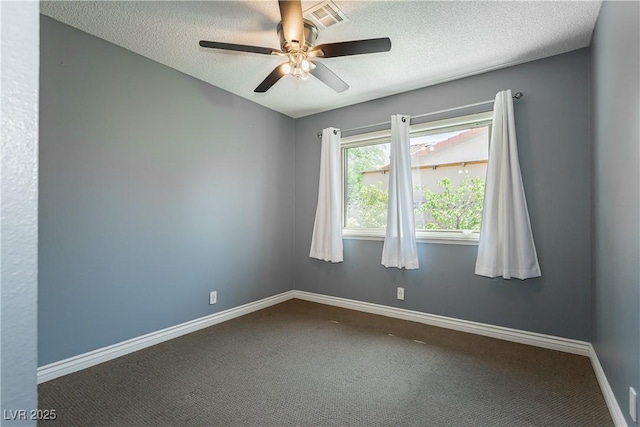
299,73
298,65
286,68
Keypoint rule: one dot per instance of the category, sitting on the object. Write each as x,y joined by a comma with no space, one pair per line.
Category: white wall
19,24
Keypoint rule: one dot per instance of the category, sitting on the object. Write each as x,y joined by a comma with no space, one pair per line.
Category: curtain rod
517,95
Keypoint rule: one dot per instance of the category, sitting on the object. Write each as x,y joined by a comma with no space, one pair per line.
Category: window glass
367,186
448,171
448,165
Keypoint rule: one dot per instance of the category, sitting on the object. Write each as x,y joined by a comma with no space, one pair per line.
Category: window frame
467,121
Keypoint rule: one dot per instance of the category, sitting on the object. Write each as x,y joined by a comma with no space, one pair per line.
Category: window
449,164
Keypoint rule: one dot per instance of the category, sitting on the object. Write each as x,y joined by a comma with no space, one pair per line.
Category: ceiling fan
297,40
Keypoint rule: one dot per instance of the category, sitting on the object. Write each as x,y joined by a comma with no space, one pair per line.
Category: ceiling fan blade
239,47
356,47
328,77
271,79
292,21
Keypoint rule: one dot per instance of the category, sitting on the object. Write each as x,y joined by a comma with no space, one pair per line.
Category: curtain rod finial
518,95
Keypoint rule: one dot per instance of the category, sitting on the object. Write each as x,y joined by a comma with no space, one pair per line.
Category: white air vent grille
325,14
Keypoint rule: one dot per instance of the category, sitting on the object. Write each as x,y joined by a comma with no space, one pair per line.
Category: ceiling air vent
325,14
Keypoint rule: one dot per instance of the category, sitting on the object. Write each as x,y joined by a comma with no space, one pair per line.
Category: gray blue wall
616,196
553,140
155,188
19,206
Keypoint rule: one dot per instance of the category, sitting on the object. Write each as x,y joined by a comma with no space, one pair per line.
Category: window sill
437,237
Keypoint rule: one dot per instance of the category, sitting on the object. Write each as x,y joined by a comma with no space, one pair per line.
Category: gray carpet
305,364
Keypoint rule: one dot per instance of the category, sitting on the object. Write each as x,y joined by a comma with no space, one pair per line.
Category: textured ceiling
432,41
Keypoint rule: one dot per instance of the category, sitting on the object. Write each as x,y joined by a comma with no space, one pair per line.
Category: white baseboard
86,360
531,338
609,397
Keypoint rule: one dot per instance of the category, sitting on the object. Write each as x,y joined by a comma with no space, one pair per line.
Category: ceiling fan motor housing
293,46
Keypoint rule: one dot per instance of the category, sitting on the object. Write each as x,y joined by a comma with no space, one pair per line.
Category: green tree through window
367,205
374,201
454,209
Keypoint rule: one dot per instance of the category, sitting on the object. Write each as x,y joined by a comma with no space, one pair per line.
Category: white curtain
506,243
326,242
399,249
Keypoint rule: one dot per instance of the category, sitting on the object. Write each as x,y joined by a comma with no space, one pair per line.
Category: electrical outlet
633,407
401,294
213,297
